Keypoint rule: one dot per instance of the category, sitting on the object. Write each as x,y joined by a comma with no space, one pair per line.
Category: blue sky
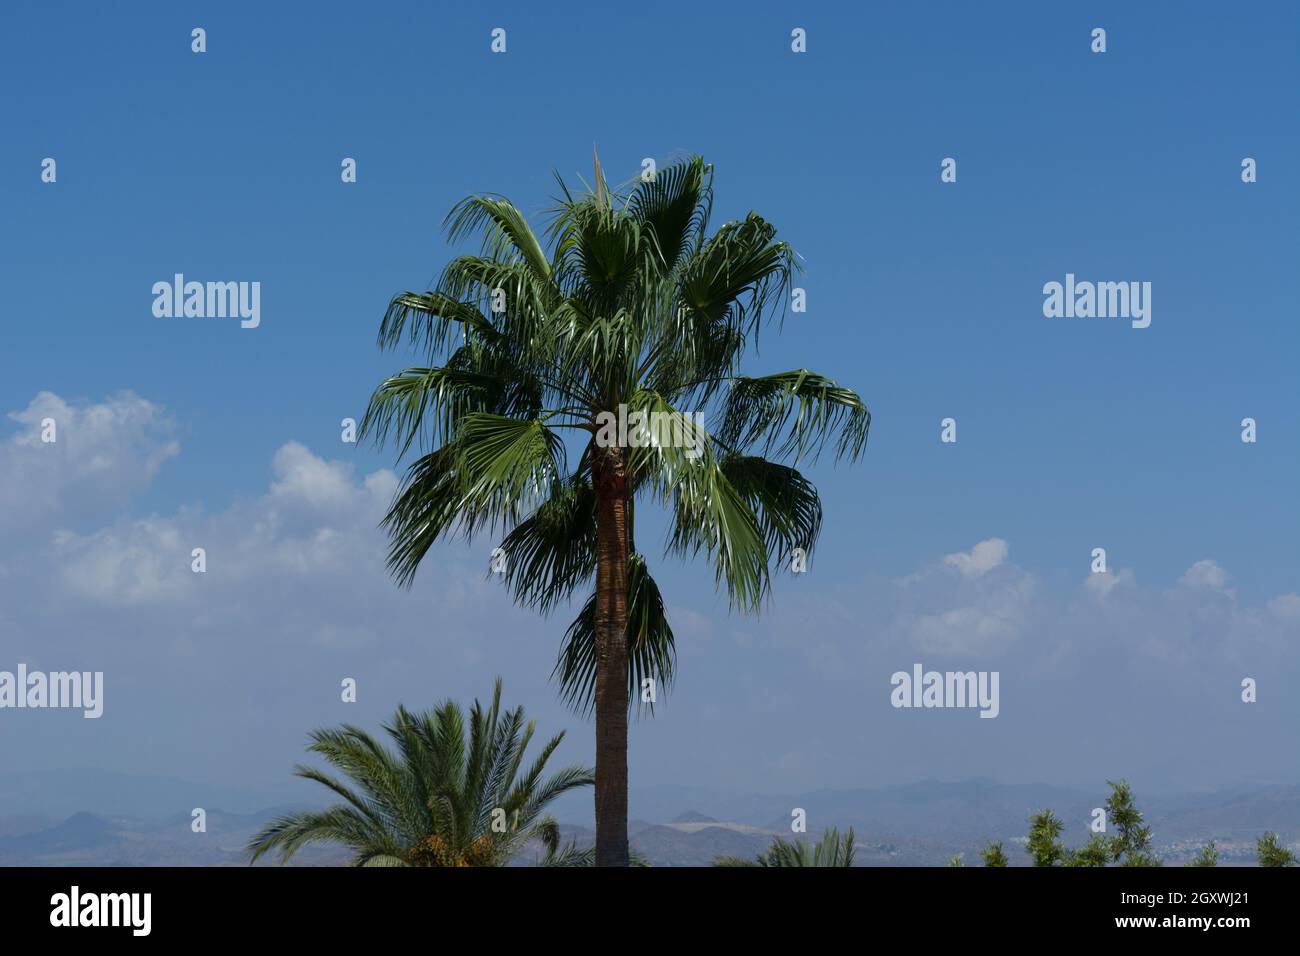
925,297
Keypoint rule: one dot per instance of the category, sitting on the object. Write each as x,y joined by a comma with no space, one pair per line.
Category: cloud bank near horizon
221,674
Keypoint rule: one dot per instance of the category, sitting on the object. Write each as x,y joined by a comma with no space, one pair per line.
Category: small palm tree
830,850
445,797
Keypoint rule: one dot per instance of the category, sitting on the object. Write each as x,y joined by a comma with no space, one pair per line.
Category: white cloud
1205,575
1286,607
139,562
979,604
981,559
103,454
982,609
985,620
296,596
303,479
1100,585
315,521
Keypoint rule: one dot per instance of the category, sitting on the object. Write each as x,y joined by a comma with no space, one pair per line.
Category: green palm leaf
794,413
652,648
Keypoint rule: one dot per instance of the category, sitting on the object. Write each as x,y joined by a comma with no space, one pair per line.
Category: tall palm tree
627,310
443,798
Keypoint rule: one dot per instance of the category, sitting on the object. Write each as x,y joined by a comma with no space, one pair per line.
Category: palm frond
739,276
506,233
651,646
432,321
506,466
673,208
795,413
552,552
786,504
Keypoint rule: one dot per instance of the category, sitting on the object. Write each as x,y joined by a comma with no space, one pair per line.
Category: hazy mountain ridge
916,824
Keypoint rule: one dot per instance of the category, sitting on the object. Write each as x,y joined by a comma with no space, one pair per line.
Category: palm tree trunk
612,537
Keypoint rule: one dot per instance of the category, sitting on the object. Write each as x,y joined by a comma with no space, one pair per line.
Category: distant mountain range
86,839
61,793
107,819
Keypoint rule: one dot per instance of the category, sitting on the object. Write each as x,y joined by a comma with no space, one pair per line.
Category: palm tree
830,850
628,311
442,799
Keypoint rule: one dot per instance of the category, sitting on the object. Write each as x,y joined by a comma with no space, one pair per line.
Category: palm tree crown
831,850
450,795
